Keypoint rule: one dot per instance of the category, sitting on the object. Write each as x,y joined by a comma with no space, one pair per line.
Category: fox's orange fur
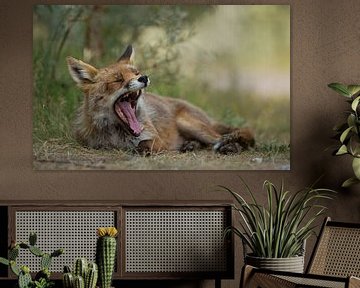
117,113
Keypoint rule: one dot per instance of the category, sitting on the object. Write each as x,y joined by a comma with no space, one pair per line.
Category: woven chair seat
314,282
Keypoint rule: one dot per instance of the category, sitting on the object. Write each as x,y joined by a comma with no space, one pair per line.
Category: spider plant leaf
246,227
248,190
294,216
257,209
283,212
285,251
270,235
242,235
251,219
4,261
237,197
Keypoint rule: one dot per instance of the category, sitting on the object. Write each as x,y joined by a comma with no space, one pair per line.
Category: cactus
25,269
24,245
68,280
44,273
91,276
67,269
45,261
57,252
14,268
87,272
80,267
79,282
24,278
42,283
4,261
32,238
105,254
13,253
36,251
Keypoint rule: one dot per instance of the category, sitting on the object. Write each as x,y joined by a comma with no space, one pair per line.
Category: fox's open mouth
125,109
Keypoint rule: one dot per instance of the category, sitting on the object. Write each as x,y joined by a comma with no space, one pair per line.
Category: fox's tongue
129,112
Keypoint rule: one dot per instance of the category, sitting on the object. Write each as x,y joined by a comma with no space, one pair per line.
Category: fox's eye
135,71
119,79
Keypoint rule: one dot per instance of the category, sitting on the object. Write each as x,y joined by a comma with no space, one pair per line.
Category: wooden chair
334,263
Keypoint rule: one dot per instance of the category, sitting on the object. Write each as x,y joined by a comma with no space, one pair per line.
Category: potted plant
276,233
42,278
349,132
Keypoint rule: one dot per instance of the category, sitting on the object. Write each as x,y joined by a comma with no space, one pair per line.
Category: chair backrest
337,251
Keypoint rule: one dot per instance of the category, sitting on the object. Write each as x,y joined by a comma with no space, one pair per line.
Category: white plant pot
291,264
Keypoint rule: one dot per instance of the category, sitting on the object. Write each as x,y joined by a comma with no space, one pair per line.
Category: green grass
57,155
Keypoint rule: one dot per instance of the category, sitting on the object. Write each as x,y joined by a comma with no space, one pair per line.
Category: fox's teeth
130,96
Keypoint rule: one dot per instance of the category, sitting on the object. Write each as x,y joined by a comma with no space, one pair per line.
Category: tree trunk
94,48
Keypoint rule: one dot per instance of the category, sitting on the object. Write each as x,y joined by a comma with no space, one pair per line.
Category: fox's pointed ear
80,71
128,55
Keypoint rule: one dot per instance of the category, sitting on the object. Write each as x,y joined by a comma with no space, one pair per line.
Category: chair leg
246,273
217,283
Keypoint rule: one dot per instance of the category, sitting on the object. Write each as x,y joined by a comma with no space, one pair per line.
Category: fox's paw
235,142
142,152
190,146
228,148
228,144
142,149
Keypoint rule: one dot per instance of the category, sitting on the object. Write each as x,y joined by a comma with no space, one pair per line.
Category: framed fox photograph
161,87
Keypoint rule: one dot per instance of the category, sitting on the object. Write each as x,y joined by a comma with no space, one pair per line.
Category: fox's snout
138,83
144,79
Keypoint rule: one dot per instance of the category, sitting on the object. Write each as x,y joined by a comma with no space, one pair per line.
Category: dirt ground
54,156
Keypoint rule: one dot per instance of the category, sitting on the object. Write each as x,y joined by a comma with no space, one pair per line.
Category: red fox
117,113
